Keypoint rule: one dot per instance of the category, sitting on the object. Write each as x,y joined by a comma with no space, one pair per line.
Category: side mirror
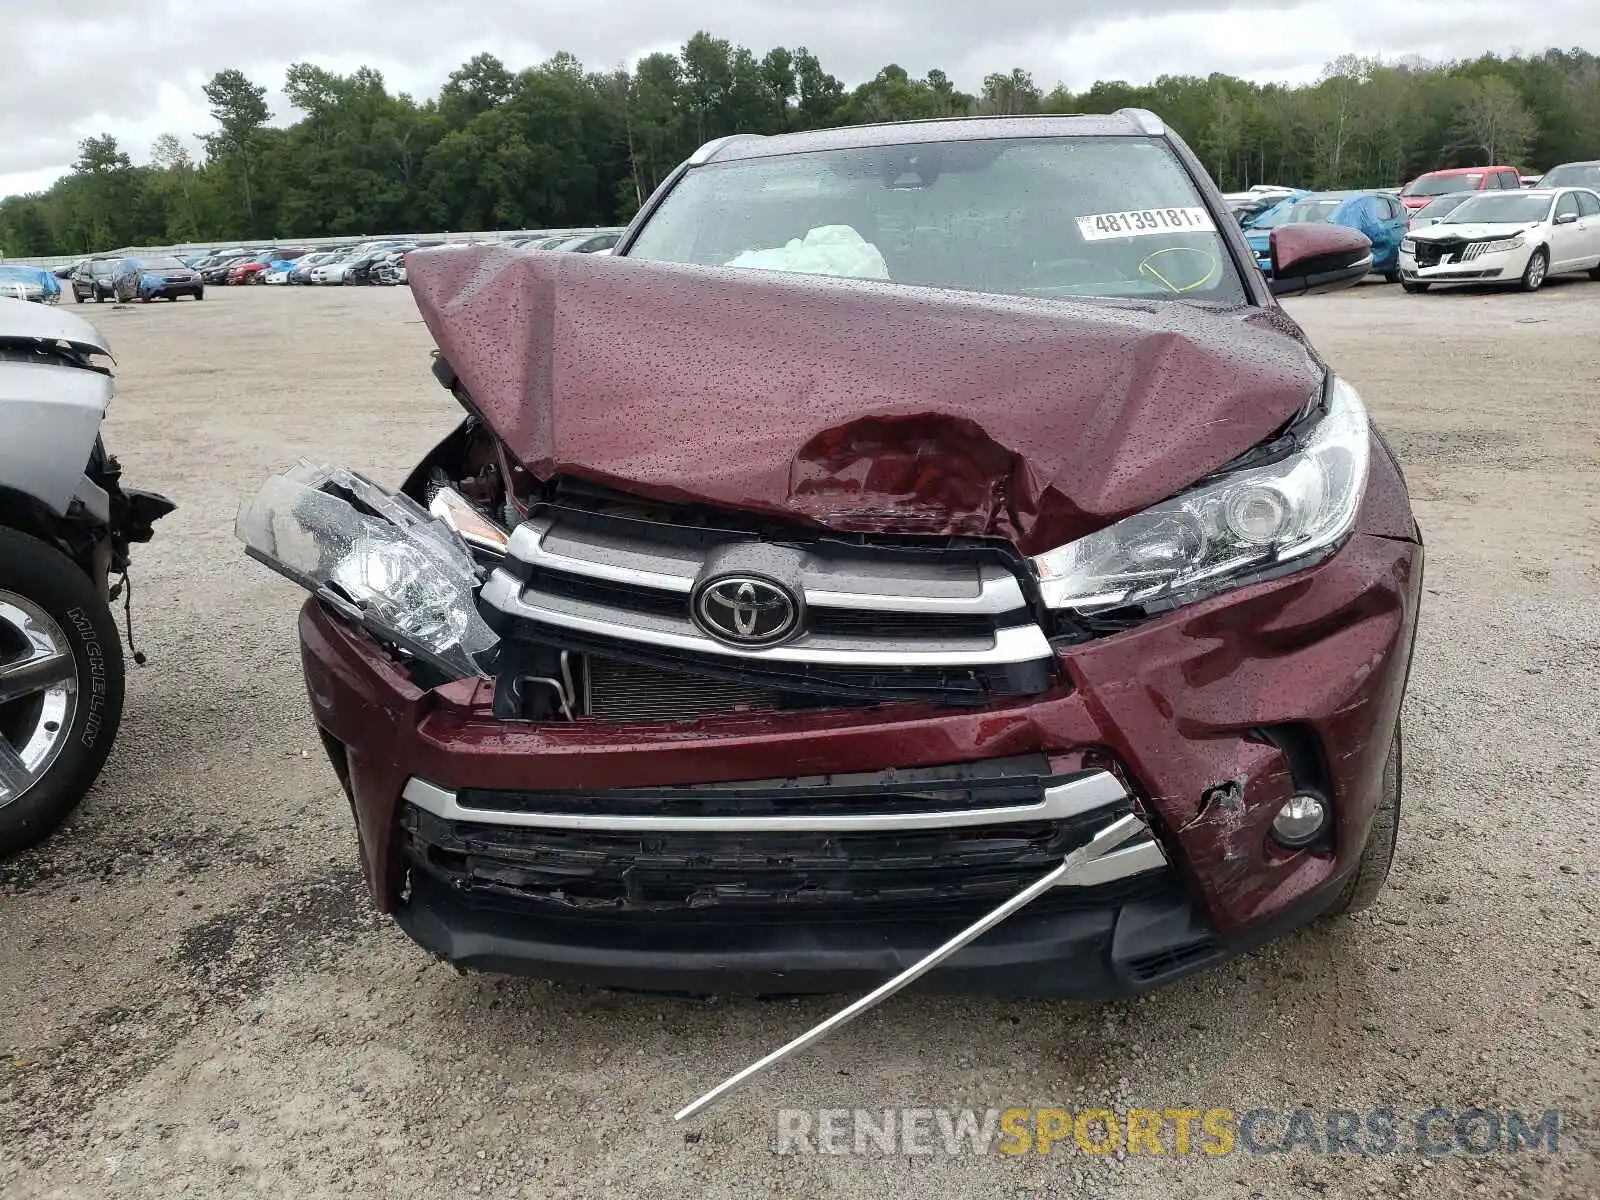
1311,258
1566,218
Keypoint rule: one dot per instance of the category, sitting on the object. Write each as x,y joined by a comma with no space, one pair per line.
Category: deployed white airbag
826,250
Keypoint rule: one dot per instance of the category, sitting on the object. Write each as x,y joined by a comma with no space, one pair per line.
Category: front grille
723,877
1431,252
872,622
617,691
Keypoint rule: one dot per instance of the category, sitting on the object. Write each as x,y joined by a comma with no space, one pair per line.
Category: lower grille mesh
627,692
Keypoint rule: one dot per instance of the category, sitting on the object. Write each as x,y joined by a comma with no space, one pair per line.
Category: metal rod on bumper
1102,843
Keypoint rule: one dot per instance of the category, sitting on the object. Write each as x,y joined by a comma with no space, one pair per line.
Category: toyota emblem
745,610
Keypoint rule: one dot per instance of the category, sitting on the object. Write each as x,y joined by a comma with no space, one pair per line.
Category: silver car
66,527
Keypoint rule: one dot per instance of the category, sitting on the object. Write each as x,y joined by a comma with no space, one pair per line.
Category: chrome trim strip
1118,864
1069,799
998,592
527,545
1015,644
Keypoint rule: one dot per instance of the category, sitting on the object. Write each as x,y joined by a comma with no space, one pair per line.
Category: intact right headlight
1510,243
1225,531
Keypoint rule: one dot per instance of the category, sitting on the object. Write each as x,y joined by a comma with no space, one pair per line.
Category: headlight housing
1226,530
1408,245
1510,243
380,559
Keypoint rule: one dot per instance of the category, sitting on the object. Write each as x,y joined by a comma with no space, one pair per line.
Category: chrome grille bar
1016,644
1086,793
544,543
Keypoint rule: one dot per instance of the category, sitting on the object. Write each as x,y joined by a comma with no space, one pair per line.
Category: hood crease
861,407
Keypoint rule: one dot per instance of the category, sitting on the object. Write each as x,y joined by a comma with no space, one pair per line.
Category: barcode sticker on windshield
1097,227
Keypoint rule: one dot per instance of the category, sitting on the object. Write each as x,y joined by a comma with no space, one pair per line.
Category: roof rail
706,151
1145,120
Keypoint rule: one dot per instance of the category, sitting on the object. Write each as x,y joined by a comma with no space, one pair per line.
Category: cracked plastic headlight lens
1227,529
380,559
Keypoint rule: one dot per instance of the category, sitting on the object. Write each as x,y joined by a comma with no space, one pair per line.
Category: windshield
1309,210
1572,175
165,263
1502,207
1273,216
1435,209
1438,185
1084,216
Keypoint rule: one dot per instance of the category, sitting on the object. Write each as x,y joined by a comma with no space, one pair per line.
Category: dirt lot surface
195,999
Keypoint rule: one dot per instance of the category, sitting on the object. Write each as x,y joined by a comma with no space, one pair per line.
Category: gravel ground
196,1000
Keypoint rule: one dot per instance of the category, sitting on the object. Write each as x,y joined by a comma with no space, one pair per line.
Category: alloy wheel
38,694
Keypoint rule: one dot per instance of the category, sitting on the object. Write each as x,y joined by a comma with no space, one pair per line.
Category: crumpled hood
861,407
1472,232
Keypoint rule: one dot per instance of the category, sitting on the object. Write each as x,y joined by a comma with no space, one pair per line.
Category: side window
1494,180
1510,179
1567,204
1394,207
1588,204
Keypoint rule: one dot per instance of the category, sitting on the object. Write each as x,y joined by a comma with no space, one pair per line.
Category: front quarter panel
49,418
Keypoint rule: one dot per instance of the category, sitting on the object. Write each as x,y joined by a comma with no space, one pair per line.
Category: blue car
29,283
148,279
1379,215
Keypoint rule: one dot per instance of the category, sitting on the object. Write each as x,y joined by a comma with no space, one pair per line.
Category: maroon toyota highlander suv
895,509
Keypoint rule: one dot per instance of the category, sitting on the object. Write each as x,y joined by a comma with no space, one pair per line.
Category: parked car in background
34,284
357,261
331,271
1573,174
301,271
1251,203
588,243
1269,214
217,271
360,271
1377,214
1523,239
1529,181
1438,208
1459,179
246,270
166,278
92,281
207,261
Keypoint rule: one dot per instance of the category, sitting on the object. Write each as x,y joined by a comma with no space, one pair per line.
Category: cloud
149,59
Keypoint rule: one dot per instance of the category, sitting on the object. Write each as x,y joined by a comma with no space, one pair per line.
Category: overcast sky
133,68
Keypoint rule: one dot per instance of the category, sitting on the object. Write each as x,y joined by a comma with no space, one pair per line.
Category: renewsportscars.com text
1209,1132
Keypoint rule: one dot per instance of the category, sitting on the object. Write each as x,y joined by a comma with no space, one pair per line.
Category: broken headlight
1225,530
378,558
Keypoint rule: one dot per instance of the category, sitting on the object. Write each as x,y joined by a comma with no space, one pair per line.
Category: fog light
1300,820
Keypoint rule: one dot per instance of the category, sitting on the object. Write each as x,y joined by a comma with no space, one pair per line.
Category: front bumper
161,289
1503,264
1209,717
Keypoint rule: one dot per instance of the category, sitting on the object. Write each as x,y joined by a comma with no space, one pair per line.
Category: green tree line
557,145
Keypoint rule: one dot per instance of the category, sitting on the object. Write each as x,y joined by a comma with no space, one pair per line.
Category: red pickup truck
1458,179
